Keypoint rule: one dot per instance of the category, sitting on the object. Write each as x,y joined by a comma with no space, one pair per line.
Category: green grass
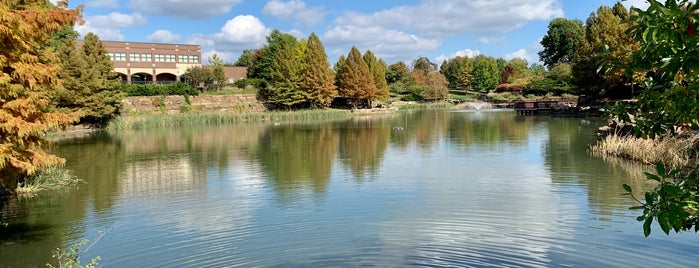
50,179
155,121
425,106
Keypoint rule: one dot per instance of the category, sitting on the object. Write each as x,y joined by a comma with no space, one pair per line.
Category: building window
146,57
117,56
183,58
134,57
159,58
170,58
194,59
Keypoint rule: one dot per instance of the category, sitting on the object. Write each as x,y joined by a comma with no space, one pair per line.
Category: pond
427,188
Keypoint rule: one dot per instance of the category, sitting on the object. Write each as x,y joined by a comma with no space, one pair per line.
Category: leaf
628,188
664,222
651,176
660,168
646,226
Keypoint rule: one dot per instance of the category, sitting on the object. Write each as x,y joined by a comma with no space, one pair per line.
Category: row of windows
147,57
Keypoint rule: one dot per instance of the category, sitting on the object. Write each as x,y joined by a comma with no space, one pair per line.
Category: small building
138,62
235,73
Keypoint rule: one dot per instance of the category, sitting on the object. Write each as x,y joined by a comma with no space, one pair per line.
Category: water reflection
426,188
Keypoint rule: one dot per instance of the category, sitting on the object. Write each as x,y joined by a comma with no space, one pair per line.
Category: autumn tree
317,79
355,81
458,72
605,41
560,41
199,77
27,83
397,72
436,86
377,68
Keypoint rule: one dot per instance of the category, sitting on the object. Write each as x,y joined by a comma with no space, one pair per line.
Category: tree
317,79
90,85
560,41
436,87
425,65
396,72
458,72
27,82
486,74
199,77
355,81
246,59
557,81
275,40
218,74
377,68
285,79
669,102
606,41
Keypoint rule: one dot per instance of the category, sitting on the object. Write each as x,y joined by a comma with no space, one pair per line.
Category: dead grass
674,152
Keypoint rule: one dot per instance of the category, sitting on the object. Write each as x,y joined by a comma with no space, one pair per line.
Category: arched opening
124,77
166,78
141,78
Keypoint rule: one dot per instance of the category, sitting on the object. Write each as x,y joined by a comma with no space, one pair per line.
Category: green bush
250,82
158,89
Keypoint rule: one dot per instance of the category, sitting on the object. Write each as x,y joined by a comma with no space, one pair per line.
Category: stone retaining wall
204,103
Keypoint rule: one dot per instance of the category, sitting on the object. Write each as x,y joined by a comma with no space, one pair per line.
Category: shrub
250,82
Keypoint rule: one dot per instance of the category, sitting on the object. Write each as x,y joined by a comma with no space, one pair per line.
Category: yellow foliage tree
28,78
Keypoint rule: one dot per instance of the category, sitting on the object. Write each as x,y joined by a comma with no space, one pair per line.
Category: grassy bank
50,179
673,152
425,106
201,119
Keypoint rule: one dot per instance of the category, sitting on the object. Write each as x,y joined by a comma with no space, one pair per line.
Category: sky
396,30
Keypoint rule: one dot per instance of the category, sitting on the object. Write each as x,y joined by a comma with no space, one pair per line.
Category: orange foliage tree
27,81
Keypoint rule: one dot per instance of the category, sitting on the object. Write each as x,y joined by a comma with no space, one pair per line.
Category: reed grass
49,179
674,152
154,121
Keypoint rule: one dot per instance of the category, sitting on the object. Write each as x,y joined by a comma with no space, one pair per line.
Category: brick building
138,62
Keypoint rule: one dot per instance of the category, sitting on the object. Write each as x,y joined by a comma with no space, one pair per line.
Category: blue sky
393,30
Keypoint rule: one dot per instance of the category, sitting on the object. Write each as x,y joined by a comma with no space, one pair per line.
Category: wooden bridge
539,106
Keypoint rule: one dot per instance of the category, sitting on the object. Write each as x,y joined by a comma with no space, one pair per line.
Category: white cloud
521,53
244,31
163,36
492,40
388,44
108,27
103,3
450,17
642,4
184,9
461,53
296,9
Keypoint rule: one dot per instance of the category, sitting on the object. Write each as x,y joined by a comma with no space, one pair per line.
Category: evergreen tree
377,68
356,82
275,40
27,83
396,72
246,59
97,93
317,79
338,68
285,80
218,74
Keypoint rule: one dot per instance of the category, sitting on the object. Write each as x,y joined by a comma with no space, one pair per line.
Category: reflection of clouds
476,208
179,196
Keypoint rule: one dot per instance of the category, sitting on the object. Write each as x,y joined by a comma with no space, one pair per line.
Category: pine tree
90,85
317,79
377,68
218,74
27,81
285,77
356,82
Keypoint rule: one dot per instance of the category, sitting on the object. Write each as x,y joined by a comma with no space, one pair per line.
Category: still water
430,188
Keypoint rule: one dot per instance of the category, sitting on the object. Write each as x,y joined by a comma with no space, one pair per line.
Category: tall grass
425,106
155,121
674,152
49,179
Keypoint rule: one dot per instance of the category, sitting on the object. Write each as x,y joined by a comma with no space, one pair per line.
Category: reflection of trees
487,128
363,142
298,156
566,155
